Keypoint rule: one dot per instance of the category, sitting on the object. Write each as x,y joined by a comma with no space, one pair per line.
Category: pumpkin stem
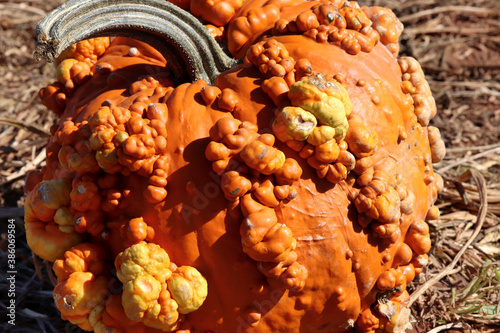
191,52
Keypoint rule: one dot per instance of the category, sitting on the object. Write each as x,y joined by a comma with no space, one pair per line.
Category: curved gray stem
191,52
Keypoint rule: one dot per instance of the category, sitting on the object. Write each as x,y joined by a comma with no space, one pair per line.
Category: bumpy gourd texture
289,197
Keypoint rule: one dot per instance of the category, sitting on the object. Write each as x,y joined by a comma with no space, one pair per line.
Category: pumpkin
186,191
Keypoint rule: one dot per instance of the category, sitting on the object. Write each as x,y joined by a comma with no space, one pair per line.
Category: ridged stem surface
190,50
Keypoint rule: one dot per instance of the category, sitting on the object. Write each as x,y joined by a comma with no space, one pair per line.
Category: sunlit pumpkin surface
291,196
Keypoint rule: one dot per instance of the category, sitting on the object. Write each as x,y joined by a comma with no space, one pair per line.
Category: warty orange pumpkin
186,191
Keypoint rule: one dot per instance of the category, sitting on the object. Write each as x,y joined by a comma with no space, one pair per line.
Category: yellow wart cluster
156,291
48,220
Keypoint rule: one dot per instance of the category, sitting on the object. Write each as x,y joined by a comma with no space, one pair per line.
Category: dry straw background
458,44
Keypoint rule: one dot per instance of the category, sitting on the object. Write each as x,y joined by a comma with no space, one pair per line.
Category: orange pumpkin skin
322,217
180,167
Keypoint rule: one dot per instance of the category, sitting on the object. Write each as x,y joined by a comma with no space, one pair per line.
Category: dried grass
458,45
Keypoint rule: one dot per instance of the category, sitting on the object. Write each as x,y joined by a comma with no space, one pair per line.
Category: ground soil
458,45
